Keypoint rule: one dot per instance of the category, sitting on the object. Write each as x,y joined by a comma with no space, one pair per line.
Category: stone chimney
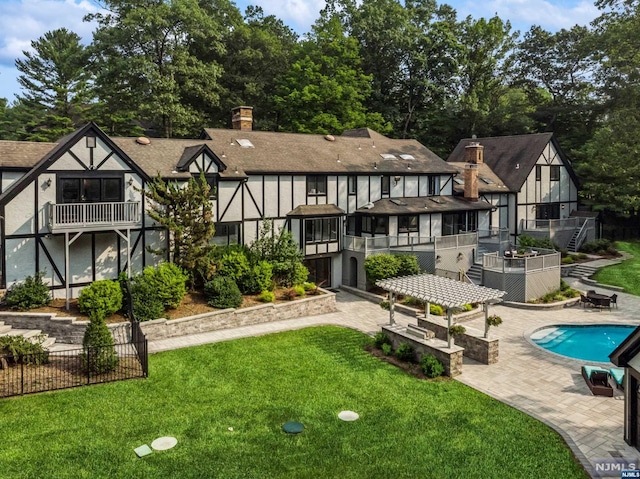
474,158
242,118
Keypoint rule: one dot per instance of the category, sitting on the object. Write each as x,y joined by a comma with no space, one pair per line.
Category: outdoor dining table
599,300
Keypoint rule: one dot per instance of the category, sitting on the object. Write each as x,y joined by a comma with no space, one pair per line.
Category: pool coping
578,362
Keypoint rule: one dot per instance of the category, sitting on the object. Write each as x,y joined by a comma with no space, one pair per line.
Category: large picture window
321,230
90,190
407,224
375,224
317,185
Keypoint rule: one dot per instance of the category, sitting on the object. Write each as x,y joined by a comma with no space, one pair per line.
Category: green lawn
408,428
625,274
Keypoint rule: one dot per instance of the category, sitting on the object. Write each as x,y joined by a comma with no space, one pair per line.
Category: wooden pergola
448,293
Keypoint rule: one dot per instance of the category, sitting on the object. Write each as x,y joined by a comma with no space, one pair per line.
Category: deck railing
545,260
377,244
68,216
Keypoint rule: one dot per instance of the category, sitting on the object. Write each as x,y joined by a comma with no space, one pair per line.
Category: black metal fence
51,370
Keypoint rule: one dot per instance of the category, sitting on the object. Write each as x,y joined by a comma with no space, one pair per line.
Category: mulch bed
412,369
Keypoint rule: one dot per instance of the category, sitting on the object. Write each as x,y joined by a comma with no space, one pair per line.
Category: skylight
244,143
398,202
407,157
459,181
488,181
388,156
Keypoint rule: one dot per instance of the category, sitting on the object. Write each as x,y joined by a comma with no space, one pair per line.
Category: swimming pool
586,342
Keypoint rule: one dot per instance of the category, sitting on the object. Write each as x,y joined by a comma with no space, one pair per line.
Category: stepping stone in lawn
348,416
142,451
164,443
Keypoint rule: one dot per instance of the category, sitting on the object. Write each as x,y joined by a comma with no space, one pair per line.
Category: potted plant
455,330
492,320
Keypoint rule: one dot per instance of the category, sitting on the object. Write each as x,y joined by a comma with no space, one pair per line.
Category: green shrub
409,301
405,352
457,330
222,292
24,351
381,338
99,355
233,264
31,293
258,278
385,305
436,309
494,320
408,265
525,241
300,291
387,350
467,307
598,246
170,281
300,274
101,299
431,367
567,260
146,302
381,266
309,286
582,256
563,285
267,297
558,297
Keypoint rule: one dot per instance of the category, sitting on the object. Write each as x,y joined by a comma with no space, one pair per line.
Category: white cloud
298,14
22,21
551,15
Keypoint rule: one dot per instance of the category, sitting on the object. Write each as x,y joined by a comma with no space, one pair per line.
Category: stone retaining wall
69,330
451,358
476,347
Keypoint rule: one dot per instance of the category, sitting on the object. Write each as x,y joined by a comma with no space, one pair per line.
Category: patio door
319,271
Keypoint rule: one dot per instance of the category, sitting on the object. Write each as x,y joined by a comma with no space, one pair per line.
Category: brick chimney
242,118
474,151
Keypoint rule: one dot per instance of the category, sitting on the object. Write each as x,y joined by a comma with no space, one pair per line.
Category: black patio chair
614,300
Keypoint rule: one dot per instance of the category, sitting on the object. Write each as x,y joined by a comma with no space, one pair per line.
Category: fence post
88,365
21,377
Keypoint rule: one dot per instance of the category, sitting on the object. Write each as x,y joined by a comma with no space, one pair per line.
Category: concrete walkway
544,385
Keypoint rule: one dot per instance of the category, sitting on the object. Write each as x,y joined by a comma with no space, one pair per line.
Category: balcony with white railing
75,217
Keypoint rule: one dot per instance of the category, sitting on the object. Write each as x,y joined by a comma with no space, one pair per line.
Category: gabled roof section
316,210
422,205
190,153
22,154
61,147
510,157
627,349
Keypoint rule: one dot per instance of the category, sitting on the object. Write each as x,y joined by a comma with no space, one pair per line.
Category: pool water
589,343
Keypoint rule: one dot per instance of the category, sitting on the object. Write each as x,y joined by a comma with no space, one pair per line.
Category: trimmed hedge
222,292
101,299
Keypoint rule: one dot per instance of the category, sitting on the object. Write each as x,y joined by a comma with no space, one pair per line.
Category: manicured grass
625,274
407,428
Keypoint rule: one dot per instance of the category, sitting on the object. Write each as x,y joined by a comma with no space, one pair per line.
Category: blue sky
24,20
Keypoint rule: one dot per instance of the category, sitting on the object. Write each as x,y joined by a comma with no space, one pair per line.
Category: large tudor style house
74,210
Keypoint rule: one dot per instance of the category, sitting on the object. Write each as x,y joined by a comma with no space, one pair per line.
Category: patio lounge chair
597,380
616,376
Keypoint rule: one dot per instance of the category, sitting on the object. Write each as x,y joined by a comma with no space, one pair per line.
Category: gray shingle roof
22,154
431,204
316,210
509,157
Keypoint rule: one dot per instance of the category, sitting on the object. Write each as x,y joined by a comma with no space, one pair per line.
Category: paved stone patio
537,382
